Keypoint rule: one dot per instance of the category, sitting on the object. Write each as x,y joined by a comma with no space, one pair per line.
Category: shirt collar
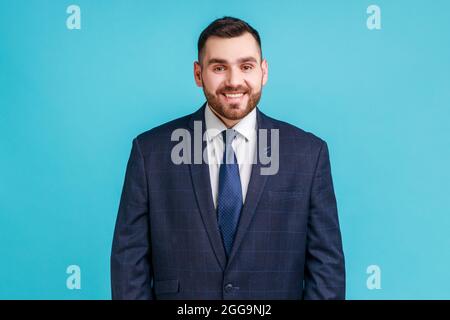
245,127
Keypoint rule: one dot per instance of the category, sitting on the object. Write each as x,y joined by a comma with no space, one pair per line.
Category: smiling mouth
233,96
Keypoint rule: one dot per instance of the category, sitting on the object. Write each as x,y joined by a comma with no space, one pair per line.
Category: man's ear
198,74
265,70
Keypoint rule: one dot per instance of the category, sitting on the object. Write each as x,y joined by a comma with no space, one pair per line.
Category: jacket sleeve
131,272
324,265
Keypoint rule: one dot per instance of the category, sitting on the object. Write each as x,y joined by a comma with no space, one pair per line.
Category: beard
232,111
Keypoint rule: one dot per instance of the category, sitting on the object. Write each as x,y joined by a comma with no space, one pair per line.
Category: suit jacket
167,244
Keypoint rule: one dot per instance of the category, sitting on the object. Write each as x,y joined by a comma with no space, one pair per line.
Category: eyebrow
223,61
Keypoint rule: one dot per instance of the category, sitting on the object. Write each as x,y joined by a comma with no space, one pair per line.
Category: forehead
231,49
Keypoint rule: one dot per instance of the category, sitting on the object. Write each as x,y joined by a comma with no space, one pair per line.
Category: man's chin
234,113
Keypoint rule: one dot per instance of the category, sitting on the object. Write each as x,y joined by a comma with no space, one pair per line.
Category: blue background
72,100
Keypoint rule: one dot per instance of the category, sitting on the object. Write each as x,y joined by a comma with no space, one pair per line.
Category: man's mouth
232,97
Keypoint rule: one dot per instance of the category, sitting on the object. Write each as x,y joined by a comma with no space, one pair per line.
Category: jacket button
229,287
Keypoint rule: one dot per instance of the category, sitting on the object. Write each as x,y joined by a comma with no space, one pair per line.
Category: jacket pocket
167,286
286,194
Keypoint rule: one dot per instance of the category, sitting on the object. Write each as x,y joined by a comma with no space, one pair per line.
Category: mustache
229,89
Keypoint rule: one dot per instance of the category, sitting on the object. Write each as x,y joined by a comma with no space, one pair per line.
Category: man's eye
247,67
219,68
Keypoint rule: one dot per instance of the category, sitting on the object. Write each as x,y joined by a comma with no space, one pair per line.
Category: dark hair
226,27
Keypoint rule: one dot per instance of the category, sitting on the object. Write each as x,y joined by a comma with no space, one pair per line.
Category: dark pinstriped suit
167,244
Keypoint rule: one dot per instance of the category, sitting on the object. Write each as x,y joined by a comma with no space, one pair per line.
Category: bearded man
222,227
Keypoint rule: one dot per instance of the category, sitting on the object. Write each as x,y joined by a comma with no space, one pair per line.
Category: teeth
234,95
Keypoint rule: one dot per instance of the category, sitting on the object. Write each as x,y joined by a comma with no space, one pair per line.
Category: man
223,228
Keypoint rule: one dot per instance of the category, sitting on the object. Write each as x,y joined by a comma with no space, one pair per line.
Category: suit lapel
202,189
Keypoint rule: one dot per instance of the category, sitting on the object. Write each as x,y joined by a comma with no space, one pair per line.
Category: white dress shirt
244,146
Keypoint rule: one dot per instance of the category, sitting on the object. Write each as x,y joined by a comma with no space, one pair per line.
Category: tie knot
228,135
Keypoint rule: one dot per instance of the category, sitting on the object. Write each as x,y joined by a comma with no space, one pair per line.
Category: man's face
232,75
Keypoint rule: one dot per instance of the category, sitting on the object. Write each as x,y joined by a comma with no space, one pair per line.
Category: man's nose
234,77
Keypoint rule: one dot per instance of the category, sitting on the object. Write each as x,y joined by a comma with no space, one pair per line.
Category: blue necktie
229,201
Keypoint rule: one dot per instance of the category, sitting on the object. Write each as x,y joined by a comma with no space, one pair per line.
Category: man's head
230,68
